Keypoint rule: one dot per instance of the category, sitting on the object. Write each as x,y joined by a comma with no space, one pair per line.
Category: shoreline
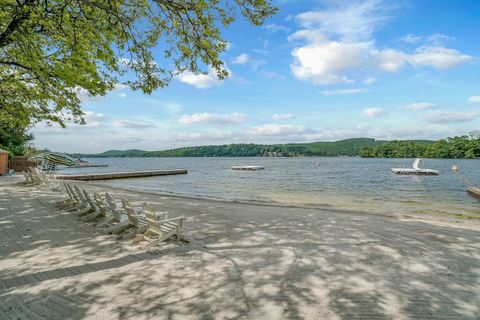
432,217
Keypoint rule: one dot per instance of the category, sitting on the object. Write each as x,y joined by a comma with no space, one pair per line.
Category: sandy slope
242,261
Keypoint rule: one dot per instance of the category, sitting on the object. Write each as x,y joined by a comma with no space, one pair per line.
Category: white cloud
411,38
373,112
339,45
323,61
276,129
201,81
131,124
418,106
241,59
92,120
475,99
122,95
438,39
342,92
283,116
349,21
445,117
437,57
389,60
214,118
273,27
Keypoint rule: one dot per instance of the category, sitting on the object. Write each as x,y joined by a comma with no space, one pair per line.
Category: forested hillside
349,147
456,147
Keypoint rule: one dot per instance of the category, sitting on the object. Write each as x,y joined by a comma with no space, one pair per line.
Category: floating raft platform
120,175
247,168
424,172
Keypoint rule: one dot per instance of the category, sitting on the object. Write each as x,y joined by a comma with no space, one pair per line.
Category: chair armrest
172,219
161,215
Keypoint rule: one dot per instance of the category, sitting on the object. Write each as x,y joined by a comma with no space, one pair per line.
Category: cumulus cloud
201,81
325,62
446,117
342,92
373,112
213,118
241,59
283,116
389,60
131,124
418,106
437,57
339,44
475,99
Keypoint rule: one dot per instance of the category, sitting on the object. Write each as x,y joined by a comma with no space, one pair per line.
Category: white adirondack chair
85,207
70,201
119,221
37,176
158,230
97,210
28,177
109,219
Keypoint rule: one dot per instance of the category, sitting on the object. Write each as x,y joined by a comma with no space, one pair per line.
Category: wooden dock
120,175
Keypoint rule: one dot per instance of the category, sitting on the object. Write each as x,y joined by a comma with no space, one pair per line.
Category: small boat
236,167
415,169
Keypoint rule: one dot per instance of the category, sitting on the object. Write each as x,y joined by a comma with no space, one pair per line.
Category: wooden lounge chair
158,230
97,210
37,176
69,202
28,177
119,221
108,218
84,207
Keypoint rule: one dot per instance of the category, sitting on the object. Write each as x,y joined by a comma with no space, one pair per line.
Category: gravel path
242,261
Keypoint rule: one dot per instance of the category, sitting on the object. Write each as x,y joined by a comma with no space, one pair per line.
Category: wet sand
241,261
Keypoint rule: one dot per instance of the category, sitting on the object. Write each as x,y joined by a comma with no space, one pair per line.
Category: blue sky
317,71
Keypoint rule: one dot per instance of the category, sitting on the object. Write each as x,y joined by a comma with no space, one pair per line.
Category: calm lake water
337,183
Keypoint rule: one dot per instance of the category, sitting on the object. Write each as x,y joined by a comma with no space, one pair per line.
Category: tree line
459,147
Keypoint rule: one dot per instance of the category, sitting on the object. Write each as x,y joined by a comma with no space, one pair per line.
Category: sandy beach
239,261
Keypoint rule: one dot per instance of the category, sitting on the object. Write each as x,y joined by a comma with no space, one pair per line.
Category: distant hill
114,153
348,147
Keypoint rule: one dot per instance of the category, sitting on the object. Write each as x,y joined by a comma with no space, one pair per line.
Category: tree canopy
459,147
51,51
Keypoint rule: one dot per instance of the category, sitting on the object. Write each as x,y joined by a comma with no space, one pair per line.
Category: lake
338,183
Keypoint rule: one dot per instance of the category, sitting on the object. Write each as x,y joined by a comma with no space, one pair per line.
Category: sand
241,261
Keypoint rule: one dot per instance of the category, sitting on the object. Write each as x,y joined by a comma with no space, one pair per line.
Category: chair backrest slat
153,224
132,216
112,206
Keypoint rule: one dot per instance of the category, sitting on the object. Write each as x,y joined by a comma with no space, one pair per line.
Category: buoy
455,168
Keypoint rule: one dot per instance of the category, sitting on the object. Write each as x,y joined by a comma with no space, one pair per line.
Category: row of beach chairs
112,216
35,176
120,217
